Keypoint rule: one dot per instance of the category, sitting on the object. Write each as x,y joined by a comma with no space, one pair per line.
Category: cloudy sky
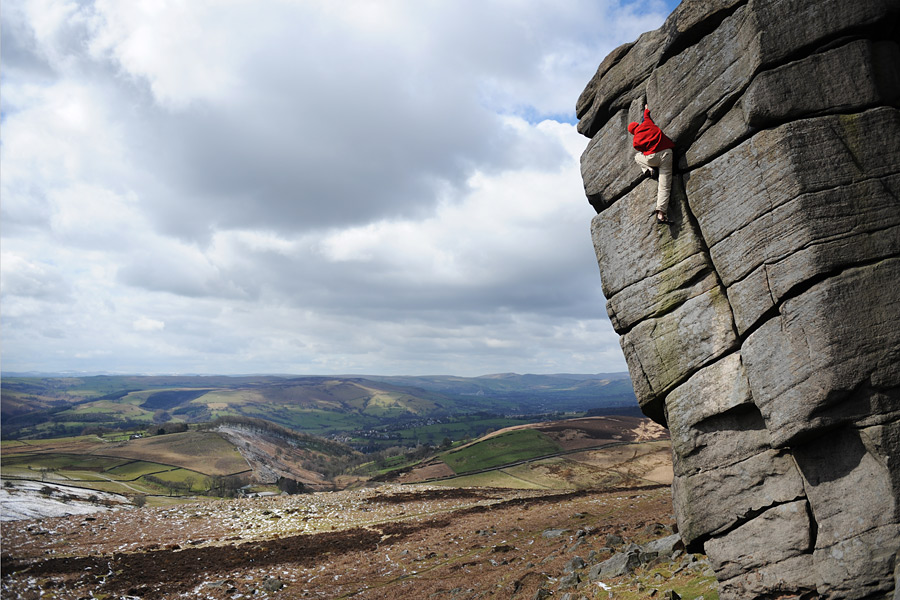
302,186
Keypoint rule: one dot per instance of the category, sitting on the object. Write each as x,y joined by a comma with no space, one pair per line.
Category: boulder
778,165
554,533
793,578
617,565
695,88
621,72
569,580
810,248
665,547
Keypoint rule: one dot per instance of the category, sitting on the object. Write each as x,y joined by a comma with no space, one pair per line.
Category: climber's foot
661,218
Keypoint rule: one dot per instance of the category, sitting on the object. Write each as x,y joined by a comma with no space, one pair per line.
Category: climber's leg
664,187
647,162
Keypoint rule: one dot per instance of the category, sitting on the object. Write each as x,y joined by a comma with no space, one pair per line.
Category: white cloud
27,279
498,230
148,324
185,50
301,186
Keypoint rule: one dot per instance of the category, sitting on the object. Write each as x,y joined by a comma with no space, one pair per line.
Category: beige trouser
662,161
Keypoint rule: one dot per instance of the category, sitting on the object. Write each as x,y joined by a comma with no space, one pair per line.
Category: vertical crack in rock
813,529
763,327
704,248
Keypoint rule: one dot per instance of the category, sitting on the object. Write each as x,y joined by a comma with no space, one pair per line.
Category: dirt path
124,484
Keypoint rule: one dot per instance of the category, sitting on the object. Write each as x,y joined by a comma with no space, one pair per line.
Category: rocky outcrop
763,326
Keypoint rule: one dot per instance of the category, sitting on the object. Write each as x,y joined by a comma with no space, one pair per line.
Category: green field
184,480
102,473
175,463
69,462
498,450
202,451
462,428
135,469
310,420
7,445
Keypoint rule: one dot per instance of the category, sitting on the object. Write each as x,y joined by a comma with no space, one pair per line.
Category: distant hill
512,383
367,411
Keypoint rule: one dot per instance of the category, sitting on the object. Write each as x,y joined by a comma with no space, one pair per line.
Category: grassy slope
201,451
89,461
105,474
597,452
645,464
498,450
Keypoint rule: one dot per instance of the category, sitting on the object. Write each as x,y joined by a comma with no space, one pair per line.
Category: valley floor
398,542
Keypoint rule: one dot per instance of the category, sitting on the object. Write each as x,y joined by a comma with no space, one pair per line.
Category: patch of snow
24,500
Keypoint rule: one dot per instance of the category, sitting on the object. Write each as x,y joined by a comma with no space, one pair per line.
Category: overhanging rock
763,326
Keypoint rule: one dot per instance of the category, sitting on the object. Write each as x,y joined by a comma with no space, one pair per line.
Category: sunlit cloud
306,187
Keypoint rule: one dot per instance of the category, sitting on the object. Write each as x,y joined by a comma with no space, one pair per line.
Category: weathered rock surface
763,327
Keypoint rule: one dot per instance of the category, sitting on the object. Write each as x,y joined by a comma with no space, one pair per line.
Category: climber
654,152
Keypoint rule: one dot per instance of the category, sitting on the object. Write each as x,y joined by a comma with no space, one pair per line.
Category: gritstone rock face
763,326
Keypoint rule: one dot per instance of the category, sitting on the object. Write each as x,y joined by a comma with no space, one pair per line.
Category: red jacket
648,138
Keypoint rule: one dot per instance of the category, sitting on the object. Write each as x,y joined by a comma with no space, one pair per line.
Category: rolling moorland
240,456
530,507
521,512
369,413
180,436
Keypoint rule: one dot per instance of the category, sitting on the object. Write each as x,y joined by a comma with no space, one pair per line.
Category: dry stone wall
763,326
